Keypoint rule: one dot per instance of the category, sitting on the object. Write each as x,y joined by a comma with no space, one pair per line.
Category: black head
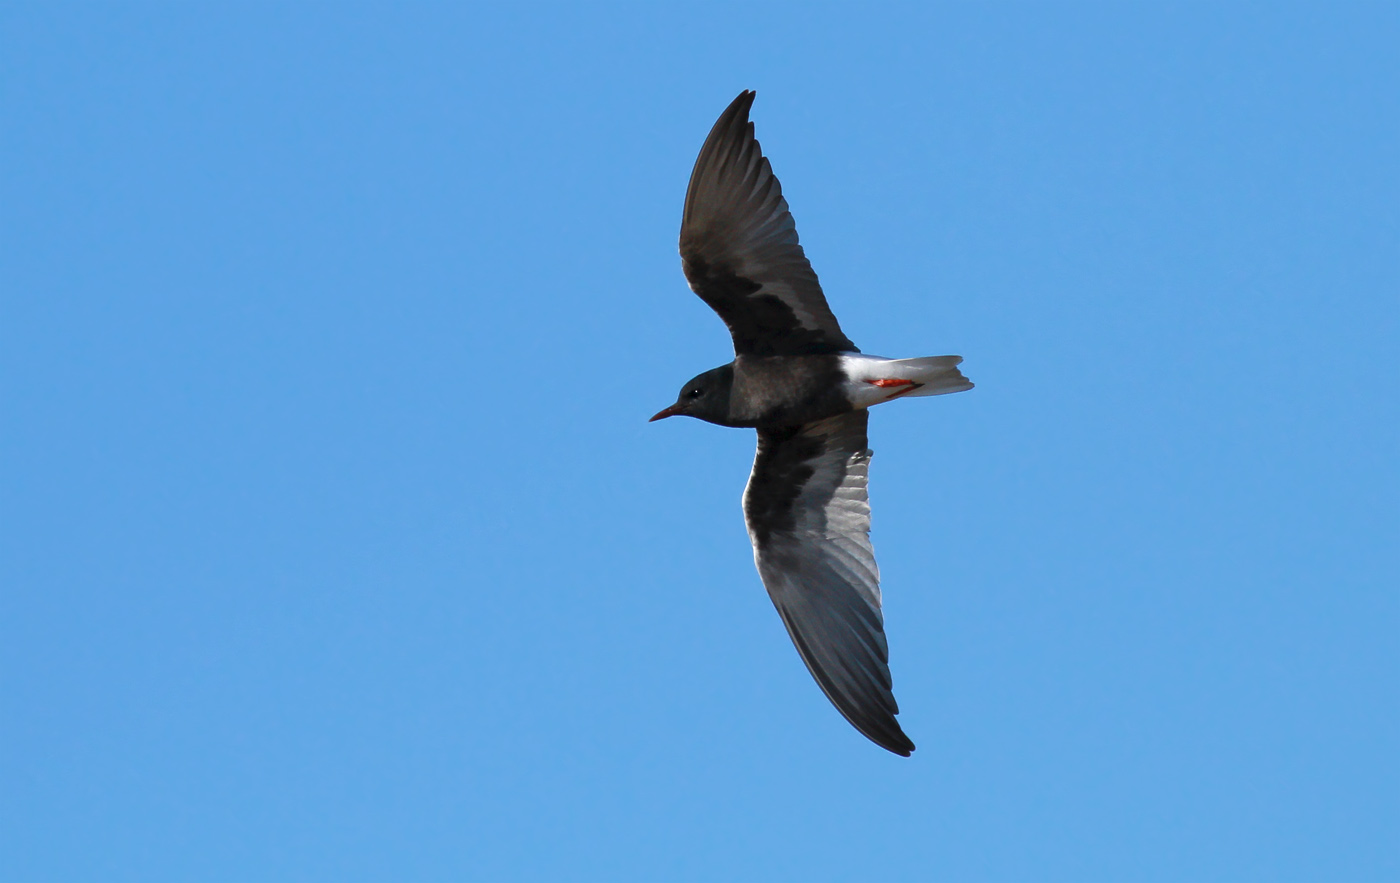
705,397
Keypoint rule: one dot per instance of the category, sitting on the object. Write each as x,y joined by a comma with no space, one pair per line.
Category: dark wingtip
880,728
740,105
894,741
903,750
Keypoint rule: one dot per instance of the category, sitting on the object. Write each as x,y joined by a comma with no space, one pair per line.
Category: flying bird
806,388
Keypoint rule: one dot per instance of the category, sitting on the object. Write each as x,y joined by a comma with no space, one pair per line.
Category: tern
806,388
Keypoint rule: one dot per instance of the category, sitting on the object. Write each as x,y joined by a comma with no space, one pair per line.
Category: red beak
666,412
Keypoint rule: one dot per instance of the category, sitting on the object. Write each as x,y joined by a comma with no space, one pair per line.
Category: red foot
890,382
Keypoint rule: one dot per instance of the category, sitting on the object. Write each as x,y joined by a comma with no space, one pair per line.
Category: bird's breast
772,391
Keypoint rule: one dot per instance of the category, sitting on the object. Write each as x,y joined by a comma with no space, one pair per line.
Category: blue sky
336,544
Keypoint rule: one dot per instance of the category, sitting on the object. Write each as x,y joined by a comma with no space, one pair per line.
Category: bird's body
806,388
778,391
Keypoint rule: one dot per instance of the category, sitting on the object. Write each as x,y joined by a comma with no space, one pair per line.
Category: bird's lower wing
809,518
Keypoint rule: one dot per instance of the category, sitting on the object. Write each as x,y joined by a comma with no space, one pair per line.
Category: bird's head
705,397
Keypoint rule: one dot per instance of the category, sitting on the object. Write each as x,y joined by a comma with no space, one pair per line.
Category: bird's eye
695,393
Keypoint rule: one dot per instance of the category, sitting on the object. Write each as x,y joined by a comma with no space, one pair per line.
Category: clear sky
336,544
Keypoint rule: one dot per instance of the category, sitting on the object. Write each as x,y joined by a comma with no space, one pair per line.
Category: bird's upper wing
809,519
740,253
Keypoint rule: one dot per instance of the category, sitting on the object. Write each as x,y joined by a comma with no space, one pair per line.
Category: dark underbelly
780,391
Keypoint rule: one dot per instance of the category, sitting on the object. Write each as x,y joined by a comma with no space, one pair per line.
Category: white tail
872,379
938,374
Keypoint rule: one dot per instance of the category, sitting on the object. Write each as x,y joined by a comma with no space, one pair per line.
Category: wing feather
808,515
740,251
